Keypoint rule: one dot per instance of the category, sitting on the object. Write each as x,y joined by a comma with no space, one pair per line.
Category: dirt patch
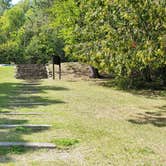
72,71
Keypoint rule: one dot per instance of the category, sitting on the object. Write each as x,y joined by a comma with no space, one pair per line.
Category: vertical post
60,71
53,68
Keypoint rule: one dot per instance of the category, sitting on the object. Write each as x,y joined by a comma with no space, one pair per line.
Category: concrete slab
26,104
28,144
15,113
27,84
32,126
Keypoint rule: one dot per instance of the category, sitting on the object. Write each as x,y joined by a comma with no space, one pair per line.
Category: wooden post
56,60
60,71
53,69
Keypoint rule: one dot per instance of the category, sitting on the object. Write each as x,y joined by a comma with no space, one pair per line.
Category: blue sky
15,1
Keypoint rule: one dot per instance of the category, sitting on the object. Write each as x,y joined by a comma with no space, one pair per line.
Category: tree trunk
163,75
94,73
147,74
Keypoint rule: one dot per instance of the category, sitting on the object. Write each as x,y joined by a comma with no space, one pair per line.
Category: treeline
124,38
27,34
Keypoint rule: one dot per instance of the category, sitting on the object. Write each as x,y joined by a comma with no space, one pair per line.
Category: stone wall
31,71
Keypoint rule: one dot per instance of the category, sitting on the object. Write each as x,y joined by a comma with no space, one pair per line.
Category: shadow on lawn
23,95
156,118
14,135
28,94
150,90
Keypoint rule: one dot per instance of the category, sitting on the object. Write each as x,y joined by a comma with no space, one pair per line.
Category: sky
15,1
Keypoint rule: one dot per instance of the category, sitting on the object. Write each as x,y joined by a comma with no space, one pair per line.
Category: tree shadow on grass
14,135
31,102
149,90
11,121
23,95
149,93
20,95
157,118
163,108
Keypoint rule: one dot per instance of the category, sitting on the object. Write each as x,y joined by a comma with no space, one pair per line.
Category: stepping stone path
32,126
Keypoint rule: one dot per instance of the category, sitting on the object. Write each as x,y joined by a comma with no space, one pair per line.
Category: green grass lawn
93,125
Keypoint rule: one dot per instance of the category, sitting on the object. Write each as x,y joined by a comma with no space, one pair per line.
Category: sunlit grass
100,125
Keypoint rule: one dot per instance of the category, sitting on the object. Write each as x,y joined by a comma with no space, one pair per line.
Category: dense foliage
125,38
26,35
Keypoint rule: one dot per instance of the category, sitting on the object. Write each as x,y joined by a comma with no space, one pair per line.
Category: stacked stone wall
31,71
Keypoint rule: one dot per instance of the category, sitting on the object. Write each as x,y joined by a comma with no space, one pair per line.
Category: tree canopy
126,38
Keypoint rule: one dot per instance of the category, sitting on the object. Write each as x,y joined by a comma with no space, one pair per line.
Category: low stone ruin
31,71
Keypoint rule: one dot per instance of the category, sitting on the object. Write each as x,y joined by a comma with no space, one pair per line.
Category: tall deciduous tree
125,37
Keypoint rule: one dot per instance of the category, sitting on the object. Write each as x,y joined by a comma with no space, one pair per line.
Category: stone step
28,144
15,113
26,87
24,92
32,126
29,84
26,104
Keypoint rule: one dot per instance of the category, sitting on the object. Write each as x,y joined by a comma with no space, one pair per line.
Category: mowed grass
92,125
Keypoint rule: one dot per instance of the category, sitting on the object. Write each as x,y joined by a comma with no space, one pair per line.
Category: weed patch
65,142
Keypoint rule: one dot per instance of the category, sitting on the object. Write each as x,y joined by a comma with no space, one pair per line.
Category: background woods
124,38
